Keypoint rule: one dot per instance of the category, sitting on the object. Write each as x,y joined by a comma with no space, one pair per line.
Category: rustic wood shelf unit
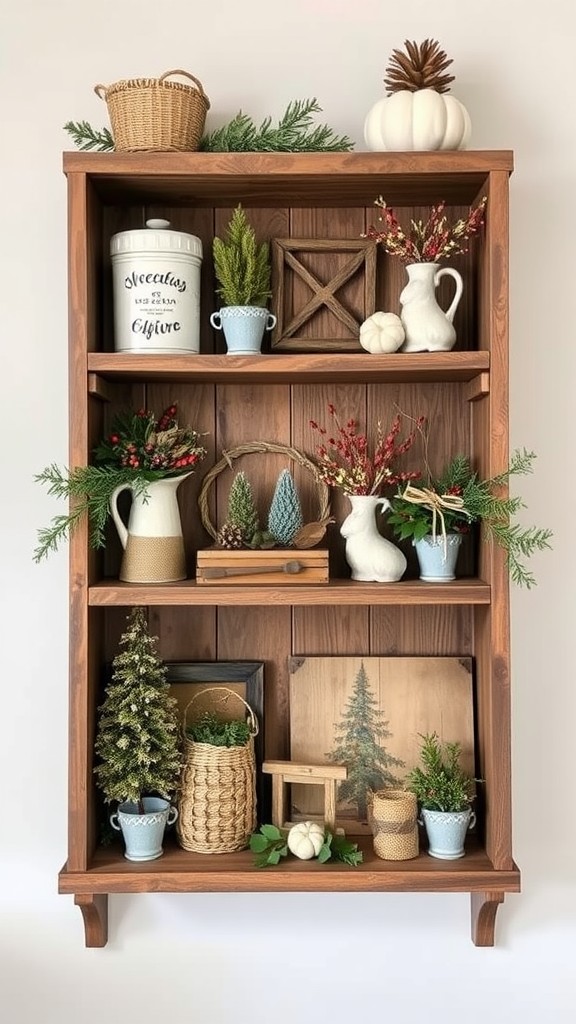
234,400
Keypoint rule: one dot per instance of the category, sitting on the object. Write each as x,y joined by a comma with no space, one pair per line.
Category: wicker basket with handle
217,806
153,114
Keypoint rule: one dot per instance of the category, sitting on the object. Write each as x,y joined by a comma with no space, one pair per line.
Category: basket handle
100,91
252,720
192,78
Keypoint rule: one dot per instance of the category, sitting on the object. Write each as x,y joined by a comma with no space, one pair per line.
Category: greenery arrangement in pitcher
139,450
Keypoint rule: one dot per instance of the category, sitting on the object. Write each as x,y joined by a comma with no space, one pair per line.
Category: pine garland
293,133
138,729
85,137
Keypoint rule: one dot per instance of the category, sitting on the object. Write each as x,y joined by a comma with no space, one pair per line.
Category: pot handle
114,821
472,821
172,815
459,289
216,326
270,322
113,504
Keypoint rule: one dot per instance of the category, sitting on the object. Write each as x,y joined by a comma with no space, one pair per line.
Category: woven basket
152,114
259,447
217,806
392,815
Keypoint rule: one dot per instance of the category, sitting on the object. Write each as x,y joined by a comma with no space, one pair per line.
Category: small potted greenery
242,268
435,515
138,743
444,792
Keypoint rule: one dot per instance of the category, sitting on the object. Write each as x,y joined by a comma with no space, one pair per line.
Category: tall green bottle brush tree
138,735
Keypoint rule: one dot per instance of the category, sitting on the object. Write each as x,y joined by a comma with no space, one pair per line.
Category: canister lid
155,237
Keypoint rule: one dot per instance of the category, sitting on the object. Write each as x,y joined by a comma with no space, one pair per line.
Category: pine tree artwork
138,735
358,745
242,511
285,514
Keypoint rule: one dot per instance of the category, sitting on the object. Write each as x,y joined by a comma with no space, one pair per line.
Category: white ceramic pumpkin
421,120
382,332
305,840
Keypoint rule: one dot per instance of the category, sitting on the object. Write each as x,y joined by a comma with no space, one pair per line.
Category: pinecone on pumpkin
422,68
230,537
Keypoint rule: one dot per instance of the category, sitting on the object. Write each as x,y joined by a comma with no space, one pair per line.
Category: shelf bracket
94,907
98,387
483,907
478,387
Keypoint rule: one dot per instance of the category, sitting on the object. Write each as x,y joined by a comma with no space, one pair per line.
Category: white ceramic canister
156,280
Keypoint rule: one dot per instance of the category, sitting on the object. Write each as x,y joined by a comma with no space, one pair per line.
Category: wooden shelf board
109,593
179,871
259,179
332,367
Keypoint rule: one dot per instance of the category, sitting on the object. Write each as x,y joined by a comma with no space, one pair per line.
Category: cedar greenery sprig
242,265
293,133
480,502
138,450
270,844
426,241
85,137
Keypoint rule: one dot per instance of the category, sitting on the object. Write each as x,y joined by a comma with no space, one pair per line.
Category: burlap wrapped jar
393,819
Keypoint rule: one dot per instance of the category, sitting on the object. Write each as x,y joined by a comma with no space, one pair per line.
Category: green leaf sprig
85,137
270,844
294,133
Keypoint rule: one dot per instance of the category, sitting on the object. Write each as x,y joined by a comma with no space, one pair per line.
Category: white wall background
219,959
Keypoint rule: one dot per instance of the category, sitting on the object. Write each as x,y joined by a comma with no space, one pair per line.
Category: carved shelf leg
483,907
94,907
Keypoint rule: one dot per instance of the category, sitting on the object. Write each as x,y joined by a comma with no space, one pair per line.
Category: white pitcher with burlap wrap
153,542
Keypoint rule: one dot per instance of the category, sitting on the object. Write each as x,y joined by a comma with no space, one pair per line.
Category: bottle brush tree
137,741
285,514
242,266
242,511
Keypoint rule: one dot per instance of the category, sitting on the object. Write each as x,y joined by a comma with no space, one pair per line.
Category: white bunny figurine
370,556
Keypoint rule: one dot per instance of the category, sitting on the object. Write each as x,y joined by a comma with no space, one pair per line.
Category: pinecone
422,69
230,537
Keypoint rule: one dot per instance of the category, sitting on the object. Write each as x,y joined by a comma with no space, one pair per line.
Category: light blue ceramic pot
446,831
438,561
243,327
143,833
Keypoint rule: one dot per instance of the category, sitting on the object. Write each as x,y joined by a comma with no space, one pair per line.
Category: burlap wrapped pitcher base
217,807
393,821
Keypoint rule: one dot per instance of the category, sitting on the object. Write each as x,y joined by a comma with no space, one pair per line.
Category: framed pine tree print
368,713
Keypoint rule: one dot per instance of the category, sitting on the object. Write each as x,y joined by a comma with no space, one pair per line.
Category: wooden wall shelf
274,396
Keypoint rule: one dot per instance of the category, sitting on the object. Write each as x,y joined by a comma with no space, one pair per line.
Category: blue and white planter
437,559
243,327
143,833
446,831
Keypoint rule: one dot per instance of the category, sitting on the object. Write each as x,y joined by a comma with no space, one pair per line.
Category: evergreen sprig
242,265
270,844
209,729
294,133
85,137
480,503
441,784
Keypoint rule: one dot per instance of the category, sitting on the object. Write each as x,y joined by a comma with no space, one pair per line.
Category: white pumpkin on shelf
306,839
382,332
417,114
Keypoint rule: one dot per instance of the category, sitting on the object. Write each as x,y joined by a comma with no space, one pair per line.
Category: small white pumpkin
422,120
382,332
306,839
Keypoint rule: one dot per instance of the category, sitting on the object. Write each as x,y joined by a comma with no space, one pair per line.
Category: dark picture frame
189,678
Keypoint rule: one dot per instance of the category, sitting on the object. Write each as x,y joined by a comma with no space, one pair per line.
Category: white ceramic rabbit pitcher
427,327
153,543
370,556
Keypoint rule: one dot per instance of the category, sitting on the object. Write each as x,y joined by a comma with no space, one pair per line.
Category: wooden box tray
279,566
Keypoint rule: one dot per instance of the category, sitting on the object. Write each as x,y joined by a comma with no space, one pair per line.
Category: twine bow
437,503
